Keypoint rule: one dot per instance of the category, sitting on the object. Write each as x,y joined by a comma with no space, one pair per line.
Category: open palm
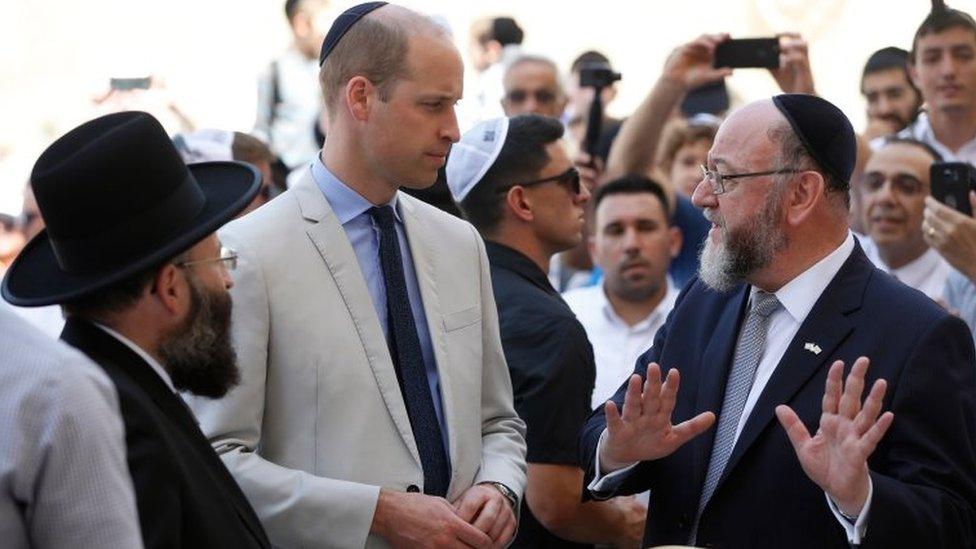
835,458
643,431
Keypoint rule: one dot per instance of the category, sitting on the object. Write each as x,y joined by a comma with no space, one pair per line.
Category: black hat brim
36,279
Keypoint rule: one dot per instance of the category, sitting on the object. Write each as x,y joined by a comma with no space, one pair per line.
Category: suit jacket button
413,488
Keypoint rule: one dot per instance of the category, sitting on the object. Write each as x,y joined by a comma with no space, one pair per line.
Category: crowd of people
365,325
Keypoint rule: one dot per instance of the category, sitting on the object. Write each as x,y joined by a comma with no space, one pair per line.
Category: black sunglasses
543,97
569,178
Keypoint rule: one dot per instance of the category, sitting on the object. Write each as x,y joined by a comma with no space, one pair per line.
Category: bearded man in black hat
785,306
130,254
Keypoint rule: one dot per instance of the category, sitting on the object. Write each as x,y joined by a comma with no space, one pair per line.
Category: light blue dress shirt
363,233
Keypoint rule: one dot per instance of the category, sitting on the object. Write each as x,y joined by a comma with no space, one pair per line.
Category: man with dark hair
375,408
633,244
893,100
943,67
289,102
143,280
892,196
494,42
517,186
786,303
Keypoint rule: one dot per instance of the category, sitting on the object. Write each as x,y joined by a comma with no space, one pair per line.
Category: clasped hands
482,517
835,457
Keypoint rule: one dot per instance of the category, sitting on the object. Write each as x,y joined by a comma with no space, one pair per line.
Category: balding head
376,47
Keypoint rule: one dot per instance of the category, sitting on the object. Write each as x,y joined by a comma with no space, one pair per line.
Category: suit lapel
828,326
425,265
111,353
716,361
333,245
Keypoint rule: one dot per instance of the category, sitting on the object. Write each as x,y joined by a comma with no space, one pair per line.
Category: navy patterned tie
408,359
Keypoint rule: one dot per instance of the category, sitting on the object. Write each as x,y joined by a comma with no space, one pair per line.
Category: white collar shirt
921,130
927,273
153,363
616,345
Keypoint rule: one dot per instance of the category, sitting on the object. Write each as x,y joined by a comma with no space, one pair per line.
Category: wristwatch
506,491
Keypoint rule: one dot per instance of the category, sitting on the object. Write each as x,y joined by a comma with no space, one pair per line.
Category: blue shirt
352,210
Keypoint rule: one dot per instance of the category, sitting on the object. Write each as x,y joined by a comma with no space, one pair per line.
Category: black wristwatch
506,491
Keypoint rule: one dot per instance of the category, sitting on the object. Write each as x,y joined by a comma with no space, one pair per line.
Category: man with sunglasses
786,304
517,186
130,254
893,191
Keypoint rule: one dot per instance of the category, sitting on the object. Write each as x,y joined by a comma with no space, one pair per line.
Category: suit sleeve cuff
604,486
856,530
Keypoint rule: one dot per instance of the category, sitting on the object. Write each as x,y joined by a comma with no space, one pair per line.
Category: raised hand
835,458
794,74
643,431
690,65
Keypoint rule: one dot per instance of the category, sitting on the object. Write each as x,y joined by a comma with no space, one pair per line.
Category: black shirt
552,368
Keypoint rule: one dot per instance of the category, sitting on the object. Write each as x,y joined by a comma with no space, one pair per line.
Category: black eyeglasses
569,178
543,97
717,179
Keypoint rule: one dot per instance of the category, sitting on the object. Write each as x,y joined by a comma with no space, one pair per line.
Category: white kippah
205,145
472,156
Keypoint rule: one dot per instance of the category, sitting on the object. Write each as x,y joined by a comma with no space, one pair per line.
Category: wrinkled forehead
743,138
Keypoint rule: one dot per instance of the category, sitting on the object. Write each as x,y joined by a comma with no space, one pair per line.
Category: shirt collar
921,130
345,202
508,258
156,366
665,306
799,295
915,272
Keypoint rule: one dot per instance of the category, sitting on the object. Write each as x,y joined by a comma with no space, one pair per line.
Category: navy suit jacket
923,471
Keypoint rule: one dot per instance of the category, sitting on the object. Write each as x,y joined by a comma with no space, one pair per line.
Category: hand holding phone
951,183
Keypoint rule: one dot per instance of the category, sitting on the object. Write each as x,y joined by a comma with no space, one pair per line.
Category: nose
703,197
450,128
226,278
584,195
631,239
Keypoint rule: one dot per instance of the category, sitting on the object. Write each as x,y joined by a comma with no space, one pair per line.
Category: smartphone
130,83
745,53
951,183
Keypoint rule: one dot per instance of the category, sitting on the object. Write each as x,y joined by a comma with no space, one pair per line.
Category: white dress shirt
289,126
797,297
927,273
156,366
616,346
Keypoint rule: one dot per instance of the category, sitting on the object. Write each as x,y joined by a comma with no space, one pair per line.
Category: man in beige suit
375,406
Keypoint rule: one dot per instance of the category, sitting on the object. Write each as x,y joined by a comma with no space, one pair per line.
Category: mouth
949,89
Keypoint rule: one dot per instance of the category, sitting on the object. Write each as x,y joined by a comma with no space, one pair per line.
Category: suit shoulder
437,218
885,295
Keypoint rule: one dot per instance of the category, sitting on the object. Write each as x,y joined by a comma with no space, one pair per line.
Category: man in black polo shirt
518,187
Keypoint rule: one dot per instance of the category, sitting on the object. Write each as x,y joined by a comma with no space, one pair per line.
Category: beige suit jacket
318,424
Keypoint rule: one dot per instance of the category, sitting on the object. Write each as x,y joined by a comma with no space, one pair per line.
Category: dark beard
198,354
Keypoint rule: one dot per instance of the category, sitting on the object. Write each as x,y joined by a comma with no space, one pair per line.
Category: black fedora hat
117,199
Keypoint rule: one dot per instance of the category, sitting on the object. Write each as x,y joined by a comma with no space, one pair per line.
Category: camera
597,75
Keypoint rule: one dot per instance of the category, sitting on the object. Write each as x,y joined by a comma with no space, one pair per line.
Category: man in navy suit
786,304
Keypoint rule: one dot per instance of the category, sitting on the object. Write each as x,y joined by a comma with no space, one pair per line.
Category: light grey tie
747,355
